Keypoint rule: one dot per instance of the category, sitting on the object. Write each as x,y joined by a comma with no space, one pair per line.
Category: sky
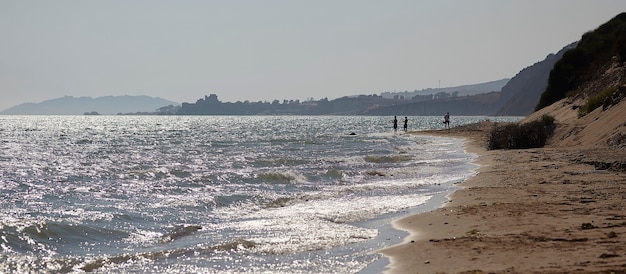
276,49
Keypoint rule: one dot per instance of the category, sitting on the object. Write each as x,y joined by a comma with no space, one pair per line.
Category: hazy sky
266,50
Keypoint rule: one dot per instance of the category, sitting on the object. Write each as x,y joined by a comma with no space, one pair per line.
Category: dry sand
547,210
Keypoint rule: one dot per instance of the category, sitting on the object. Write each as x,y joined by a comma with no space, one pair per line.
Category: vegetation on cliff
582,63
596,101
585,97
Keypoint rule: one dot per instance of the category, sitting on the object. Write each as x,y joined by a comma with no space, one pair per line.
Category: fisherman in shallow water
395,123
446,120
406,124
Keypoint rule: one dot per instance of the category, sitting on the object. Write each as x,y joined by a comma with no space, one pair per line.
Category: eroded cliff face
521,94
602,127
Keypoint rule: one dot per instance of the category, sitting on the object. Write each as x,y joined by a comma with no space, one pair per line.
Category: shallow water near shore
227,194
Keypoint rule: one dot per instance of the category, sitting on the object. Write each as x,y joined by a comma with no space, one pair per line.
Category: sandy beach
558,209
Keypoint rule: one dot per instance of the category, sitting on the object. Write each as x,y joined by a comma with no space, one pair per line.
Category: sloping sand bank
550,210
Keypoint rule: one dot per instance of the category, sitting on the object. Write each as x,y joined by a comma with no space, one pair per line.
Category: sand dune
557,209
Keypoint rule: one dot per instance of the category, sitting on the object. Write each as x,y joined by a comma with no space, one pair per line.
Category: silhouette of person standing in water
446,120
395,123
406,124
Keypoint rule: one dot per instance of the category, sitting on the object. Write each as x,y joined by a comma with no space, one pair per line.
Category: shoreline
391,235
533,210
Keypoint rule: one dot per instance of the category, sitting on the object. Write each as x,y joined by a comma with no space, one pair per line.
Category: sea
217,194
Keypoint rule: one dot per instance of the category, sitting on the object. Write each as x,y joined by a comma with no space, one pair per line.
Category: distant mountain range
69,105
464,90
517,96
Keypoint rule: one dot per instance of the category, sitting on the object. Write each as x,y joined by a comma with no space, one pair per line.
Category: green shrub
547,120
595,101
521,136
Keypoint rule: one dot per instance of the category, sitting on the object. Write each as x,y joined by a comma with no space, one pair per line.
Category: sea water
214,194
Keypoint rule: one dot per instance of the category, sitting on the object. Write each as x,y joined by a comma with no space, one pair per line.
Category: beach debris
375,173
606,256
587,200
585,226
473,232
548,239
618,140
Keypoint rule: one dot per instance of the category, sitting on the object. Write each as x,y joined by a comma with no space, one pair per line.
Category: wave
388,159
93,264
278,162
282,177
11,263
280,202
50,237
51,247
179,232
229,200
335,174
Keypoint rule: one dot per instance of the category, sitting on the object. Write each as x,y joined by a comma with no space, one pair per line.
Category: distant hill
480,104
470,105
69,105
464,90
476,99
521,94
